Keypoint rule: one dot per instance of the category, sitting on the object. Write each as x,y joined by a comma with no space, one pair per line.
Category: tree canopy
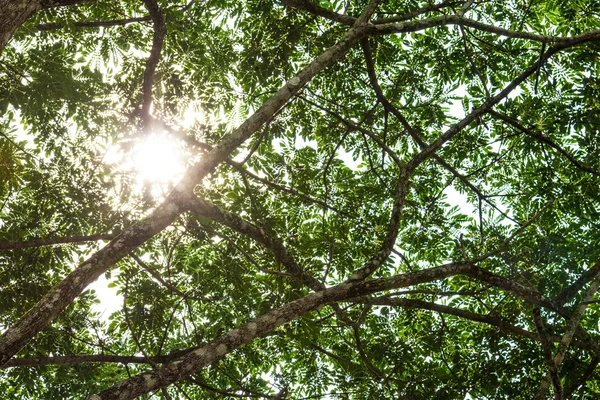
377,199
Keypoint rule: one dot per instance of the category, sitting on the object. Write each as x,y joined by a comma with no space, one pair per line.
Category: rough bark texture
13,13
246,333
64,293
49,307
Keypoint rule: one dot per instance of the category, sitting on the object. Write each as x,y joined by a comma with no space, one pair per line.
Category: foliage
437,180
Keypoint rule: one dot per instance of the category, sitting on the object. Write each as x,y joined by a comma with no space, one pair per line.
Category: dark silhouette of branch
315,9
63,3
565,342
544,139
95,24
52,241
160,30
157,276
50,306
547,350
572,290
93,358
259,234
584,378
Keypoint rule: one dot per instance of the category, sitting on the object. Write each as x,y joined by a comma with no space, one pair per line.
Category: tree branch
415,26
572,327
547,350
492,101
238,224
93,358
219,348
544,139
160,30
52,241
48,308
95,24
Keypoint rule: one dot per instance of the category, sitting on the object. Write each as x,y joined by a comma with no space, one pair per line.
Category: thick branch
13,13
246,333
62,295
160,30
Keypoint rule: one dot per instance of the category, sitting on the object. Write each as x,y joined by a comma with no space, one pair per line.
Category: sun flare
158,159
155,162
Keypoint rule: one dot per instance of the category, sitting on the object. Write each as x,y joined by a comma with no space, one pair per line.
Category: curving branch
248,332
544,139
547,350
158,38
316,9
95,24
94,358
380,256
487,319
397,24
52,241
349,291
446,20
49,307
259,234
565,342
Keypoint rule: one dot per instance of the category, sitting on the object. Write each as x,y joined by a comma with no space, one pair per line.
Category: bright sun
157,159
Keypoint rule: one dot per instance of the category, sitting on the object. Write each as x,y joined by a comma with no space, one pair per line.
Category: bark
49,307
565,342
158,38
13,13
234,339
52,241
269,321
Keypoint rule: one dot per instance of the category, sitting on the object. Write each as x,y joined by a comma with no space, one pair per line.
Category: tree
393,199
